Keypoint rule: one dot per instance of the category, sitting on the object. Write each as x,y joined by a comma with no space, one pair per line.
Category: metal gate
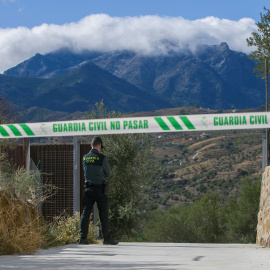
57,170
61,167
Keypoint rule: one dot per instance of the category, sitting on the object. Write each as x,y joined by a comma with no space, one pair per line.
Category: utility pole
266,108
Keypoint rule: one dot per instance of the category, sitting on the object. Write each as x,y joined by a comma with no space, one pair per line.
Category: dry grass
21,226
23,230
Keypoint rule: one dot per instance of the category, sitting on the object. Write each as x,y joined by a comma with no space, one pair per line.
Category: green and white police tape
176,123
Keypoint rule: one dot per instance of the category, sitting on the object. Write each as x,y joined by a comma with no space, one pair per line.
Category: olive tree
132,170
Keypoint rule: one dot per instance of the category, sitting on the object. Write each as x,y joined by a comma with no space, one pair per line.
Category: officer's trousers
90,196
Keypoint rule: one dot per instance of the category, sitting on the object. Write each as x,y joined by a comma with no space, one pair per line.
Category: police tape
154,124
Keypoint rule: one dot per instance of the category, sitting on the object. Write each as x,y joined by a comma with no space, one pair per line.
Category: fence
57,166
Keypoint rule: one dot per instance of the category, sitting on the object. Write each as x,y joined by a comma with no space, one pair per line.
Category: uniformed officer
96,169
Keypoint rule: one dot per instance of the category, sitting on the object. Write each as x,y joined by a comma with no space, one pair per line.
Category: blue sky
30,13
28,27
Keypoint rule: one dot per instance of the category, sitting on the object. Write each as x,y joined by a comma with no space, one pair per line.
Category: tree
209,219
202,222
206,219
132,169
243,212
261,40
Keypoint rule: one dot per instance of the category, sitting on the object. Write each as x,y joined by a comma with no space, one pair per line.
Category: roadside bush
209,219
23,230
200,222
170,226
242,212
65,230
206,219
21,183
21,226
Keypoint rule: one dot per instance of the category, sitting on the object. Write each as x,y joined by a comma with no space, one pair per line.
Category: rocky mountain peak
224,46
211,76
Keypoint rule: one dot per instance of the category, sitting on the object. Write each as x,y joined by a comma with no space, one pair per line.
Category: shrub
65,230
209,219
206,219
168,226
242,212
201,222
22,183
21,226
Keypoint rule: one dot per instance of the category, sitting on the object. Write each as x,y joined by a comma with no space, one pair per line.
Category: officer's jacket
96,167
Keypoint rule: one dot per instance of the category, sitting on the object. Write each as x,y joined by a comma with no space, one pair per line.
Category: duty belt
88,185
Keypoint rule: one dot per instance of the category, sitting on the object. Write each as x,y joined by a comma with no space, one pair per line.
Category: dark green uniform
96,169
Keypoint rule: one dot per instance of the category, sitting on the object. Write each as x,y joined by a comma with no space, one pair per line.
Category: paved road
144,256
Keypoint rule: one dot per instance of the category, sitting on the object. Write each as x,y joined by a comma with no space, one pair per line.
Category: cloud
141,34
5,1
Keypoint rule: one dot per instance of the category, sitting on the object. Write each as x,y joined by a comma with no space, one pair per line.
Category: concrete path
145,256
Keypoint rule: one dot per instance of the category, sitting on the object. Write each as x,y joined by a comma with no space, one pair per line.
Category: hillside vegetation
192,163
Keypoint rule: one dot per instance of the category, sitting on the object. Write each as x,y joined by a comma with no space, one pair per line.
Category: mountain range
212,77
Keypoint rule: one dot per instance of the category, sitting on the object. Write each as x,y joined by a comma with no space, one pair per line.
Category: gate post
76,175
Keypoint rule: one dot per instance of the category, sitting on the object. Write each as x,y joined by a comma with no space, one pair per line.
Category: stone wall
263,227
